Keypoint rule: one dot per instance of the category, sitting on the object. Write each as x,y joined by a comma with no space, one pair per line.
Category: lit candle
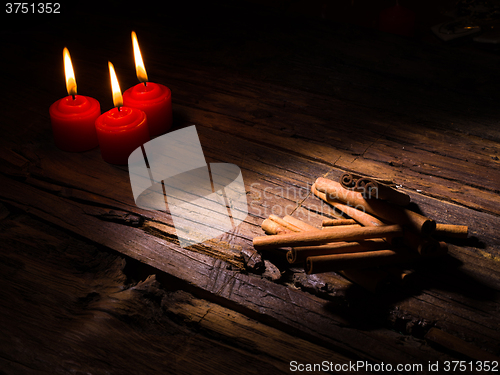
73,117
122,129
153,98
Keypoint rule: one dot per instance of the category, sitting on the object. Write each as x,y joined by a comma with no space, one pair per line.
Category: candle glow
152,98
69,73
139,63
121,129
73,117
115,86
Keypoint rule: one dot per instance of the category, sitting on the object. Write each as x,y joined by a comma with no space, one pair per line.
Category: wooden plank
249,334
280,184
308,316
210,273
70,308
455,344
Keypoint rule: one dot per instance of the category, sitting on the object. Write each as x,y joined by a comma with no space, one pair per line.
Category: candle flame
139,64
69,73
115,86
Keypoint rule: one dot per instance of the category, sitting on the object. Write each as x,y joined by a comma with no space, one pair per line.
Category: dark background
107,24
219,34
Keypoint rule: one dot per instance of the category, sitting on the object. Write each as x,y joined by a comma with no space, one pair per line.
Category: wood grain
287,102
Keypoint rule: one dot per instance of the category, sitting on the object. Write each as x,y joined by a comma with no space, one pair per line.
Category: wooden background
93,284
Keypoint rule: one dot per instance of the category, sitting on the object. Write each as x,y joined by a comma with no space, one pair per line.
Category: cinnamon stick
360,216
271,227
298,223
300,254
334,262
349,180
284,223
335,222
372,189
424,245
400,275
372,279
318,237
386,211
450,230
341,227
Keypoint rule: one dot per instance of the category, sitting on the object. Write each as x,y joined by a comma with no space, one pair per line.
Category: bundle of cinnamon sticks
379,232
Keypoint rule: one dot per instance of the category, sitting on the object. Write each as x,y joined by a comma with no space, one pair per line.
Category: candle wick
73,96
145,83
118,108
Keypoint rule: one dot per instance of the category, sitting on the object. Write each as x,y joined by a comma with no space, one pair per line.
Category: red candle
73,117
152,98
122,129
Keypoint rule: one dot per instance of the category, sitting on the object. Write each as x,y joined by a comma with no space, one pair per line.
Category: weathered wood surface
90,317
286,104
